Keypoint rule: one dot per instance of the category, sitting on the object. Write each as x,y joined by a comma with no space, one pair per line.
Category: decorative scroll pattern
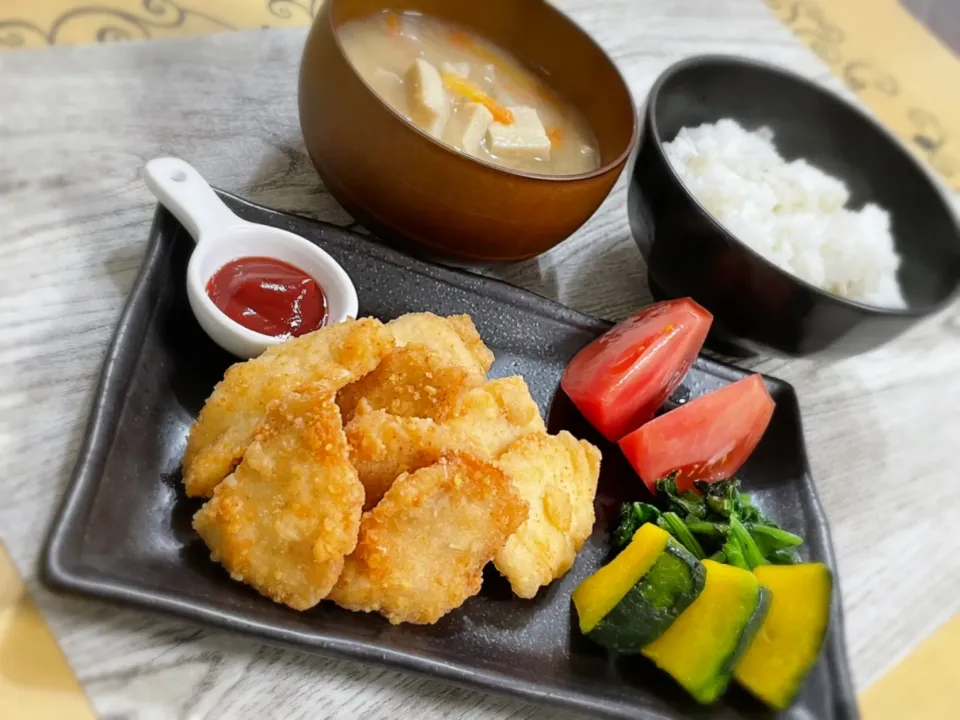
289,9
67,22
871,80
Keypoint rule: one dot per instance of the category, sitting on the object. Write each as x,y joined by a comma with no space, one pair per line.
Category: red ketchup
269,296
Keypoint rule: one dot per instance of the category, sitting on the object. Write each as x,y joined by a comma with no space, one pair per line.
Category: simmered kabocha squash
789,641
702,647
629,602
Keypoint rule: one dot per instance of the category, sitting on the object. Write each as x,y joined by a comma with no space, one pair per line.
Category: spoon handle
182,190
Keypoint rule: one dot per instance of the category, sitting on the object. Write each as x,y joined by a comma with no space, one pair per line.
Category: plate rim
59,571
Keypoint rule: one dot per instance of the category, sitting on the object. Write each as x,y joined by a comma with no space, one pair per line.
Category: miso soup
469,94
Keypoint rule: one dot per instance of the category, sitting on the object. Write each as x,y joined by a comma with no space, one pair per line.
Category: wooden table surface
76,127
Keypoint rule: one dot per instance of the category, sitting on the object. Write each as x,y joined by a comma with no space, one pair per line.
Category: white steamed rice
791,213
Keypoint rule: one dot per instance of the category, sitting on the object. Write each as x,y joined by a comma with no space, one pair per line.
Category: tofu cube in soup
524,137
388,85
467,126
457,68
427,98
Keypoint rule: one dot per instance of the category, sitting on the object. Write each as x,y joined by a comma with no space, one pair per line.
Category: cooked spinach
685,503
716,521
751,553
632,516
672,523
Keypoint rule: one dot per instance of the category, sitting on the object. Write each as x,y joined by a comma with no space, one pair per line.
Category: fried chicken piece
482,421
557,476
325,361
496,413
422,550
412,381
383,446
284,520
454,339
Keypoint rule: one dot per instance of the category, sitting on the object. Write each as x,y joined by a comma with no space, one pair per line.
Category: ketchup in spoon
269,296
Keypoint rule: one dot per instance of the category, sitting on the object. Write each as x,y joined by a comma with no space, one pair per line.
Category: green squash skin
667,589
718,684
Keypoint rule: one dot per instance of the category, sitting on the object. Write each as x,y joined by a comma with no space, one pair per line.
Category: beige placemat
900,57
925,685
36,682
36,23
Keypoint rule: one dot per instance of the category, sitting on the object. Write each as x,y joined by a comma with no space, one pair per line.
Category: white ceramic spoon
222,237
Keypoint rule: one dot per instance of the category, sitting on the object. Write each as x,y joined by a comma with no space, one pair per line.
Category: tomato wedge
707,439
620,379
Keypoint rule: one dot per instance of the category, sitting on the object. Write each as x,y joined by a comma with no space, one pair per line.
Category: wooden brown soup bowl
408,187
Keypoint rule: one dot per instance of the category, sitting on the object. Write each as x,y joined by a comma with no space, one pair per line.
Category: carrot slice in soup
463,87
461,39
394,23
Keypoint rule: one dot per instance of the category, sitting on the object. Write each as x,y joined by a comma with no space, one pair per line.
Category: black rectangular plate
123,532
